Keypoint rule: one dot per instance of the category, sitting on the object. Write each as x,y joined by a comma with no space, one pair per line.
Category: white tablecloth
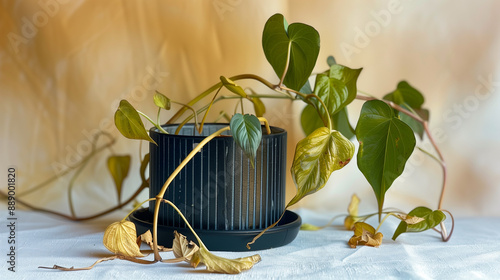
472,253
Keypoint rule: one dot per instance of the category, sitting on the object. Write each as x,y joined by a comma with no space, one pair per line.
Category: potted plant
385,130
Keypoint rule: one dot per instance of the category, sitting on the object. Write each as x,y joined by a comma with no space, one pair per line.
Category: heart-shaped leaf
295,45
121,238
183,249
412,100
232,86
336,87
364,234
428,219
129,123
316,157
118,167
385,144
247,134
162,101
222,265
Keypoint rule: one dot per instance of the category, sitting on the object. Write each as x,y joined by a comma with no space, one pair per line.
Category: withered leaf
352,209
147,238
120,238
411,220
182,248
222,265
364,234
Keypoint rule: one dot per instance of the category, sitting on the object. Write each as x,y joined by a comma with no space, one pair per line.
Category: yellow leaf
309,227
120,238
222,265
352,209
364,234
182,248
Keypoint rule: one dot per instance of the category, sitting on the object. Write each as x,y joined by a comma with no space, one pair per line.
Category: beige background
64,66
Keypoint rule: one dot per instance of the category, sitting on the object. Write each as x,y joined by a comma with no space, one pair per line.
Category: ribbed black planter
224,198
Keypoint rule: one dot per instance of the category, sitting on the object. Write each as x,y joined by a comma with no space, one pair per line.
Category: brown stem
76,219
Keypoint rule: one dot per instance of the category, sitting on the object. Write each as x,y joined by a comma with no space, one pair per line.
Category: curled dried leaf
411,220
147,238
364,234
182,248
121,238
352,209
222,265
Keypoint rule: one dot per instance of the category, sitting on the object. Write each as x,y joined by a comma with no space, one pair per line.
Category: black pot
219,190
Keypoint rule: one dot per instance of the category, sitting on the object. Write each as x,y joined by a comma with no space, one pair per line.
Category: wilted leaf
162,101
259,107
120,238
352,209
309,227
129,123
118,167
298,43
148,239
232,86
182,248
385,144
316,157
364,234
222,265
411,220
430,219
247,134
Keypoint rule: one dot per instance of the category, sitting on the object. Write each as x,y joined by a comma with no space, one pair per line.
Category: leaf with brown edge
222,265
411,220
364,234
182,248
120,238
352,209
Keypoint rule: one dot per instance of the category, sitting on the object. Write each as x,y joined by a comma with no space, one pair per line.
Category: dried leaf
411,220
182,248
120,238
352,209
147,238
364,234
222,265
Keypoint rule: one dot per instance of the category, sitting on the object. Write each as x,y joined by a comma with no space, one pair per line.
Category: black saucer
224,240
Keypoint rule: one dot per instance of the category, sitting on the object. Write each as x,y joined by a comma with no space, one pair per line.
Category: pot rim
275,131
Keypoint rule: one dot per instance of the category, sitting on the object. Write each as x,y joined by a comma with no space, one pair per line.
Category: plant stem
151,121
137,207
266,124
185,221
159,197
214,87
329,123
383,220
70,186
194,113
208,109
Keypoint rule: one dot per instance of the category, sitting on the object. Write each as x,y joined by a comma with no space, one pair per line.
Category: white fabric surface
472,253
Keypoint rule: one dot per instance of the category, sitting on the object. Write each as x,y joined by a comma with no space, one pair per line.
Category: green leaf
233,87
297,44
385,144
310,121
316,157
118,167
431,220
336,87
162,101
306,88
412,100
330,60
129,123
247,134
259,107
144,165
